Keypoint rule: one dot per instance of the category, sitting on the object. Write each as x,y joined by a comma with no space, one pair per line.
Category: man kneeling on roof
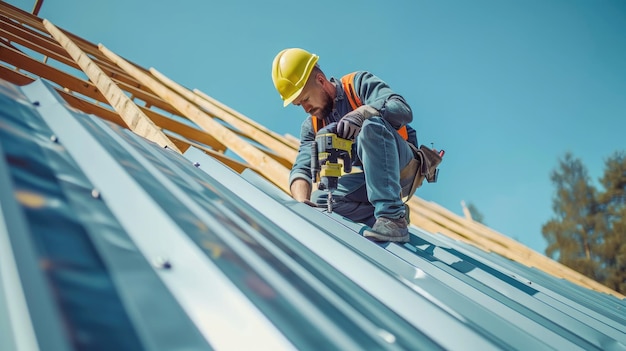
377,119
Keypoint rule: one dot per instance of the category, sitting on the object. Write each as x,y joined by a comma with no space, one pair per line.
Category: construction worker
372,115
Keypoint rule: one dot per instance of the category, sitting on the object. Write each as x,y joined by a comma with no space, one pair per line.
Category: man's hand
300,190
350,125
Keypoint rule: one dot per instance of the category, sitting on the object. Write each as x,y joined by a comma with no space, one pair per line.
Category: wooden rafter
89,90
136,120
43,70
251,131
37,7
14,76
49,48
218,105
265,164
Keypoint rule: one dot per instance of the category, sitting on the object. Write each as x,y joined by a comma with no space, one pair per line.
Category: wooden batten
245,119
89,90
292,141
136,120
14,77
35,42
42,70
267,166
37,7
33,24
184,130
235,165
249,130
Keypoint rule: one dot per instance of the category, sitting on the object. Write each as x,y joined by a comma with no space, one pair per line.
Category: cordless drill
326,152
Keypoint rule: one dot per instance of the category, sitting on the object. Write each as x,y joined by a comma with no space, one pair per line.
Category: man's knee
372,128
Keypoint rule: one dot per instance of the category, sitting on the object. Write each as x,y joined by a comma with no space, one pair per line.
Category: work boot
388,229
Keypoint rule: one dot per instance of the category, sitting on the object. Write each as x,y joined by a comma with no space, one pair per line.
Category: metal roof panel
232,262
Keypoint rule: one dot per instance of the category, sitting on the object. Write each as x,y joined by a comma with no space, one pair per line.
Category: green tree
572,233
612,202
588,230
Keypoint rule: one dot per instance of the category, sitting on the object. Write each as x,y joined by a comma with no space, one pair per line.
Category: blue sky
505,87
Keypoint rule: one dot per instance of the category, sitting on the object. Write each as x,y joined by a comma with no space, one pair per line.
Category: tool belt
422,166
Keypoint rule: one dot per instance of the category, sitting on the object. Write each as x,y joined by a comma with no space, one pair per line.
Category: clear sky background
505,87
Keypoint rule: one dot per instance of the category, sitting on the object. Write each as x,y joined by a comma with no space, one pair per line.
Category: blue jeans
375,192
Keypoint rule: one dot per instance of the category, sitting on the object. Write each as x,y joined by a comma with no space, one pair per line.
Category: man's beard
327,108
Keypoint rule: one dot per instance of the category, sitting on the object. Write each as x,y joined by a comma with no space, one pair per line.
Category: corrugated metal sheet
158,109
111,242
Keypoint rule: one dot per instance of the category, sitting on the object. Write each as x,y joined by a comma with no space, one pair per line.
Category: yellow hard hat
290,70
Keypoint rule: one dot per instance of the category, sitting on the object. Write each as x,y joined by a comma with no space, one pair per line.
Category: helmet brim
293,96
309,68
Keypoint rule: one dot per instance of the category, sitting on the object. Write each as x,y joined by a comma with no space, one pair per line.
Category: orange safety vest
353,99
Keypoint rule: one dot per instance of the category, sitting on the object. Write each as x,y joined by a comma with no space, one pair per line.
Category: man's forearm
300,189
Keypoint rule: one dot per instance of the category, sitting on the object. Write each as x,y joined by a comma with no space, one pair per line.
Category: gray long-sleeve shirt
372,91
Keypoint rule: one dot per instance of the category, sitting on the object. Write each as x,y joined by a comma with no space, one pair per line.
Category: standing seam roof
111,241
118,225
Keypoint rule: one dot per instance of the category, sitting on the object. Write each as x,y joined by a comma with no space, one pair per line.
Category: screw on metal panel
36,103
162,263
197,164
54,138
387,336
95,193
